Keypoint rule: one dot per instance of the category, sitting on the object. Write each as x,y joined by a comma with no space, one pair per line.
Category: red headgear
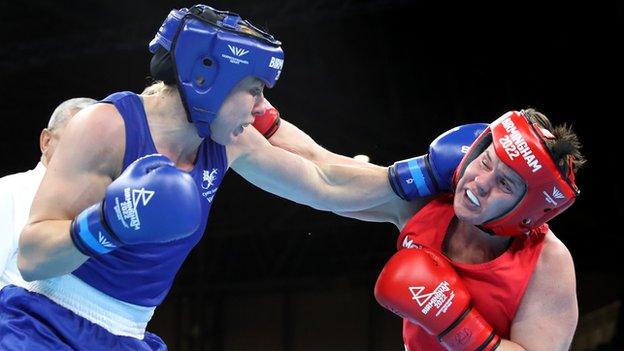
520,145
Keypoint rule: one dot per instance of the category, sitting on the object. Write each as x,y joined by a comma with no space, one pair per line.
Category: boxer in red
478,268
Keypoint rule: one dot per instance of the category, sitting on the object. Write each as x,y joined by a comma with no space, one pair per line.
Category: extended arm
327,187
287,136
414,180
293,139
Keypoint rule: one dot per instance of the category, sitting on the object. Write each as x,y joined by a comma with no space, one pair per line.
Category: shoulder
407,210
549,304
555,257
554,274
100,117
95,137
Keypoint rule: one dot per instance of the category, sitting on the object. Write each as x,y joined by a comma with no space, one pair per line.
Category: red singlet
496,286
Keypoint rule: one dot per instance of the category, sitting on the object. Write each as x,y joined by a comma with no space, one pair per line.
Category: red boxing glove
419,285
268,122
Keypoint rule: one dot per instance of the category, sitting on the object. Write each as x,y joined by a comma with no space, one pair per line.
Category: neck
467,243
173,135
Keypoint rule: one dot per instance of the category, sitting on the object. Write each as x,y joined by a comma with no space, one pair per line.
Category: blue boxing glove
150,202
432,173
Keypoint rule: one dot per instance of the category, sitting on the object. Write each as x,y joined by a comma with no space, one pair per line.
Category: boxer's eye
505,185
255,92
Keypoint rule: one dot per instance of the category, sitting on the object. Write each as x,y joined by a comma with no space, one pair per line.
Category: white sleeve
7,227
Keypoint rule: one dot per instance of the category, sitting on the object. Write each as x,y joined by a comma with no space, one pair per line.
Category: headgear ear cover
520,145
212,51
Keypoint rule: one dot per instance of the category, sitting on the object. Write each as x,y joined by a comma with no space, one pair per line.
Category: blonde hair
158,87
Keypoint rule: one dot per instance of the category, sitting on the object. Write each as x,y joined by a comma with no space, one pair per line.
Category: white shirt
16,195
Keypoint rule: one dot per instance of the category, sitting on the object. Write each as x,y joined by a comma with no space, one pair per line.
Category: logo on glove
127,210
105,242
143,195
438,298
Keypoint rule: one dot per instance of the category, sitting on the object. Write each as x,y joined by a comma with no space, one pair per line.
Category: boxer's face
488,189
238,110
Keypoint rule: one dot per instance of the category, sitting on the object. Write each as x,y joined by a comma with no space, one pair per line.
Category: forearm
325,156
354,187
335,188
46,250
290,138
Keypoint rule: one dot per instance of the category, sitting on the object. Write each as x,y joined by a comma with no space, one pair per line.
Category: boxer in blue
129,190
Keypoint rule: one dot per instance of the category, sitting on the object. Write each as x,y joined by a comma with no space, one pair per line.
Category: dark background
381,78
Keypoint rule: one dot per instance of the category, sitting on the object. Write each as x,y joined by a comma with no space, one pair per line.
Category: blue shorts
32,322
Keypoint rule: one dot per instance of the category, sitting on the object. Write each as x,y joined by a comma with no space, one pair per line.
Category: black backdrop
381,78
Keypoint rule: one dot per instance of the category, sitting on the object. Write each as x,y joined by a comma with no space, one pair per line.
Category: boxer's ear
44,140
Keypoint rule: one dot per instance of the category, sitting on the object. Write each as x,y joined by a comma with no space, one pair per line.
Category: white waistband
118,317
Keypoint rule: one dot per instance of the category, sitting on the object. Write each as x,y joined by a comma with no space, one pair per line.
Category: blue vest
143,274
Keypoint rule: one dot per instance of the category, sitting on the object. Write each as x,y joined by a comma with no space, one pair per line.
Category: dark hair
565,145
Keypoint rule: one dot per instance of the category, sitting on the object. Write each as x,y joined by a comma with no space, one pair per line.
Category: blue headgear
211,52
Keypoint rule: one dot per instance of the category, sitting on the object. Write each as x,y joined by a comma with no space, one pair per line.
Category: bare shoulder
554,279
555,257
548,313
94,138
554,274
87,159
100,121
